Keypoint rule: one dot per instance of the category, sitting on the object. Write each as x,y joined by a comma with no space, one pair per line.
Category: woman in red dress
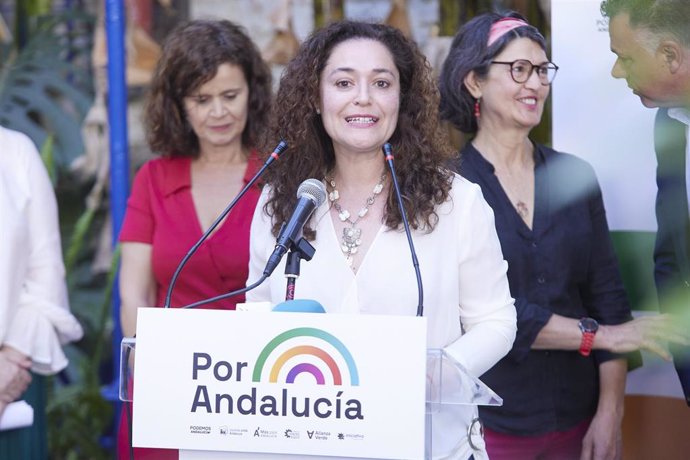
209,100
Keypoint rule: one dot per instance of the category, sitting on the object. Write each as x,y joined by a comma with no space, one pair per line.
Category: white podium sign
288,383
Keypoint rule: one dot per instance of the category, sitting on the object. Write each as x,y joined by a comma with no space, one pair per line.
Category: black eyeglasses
522,69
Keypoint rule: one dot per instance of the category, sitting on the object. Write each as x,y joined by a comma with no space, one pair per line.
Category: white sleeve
487,310
261,244
42,321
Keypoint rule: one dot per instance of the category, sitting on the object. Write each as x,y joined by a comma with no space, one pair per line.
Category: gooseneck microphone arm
420,288
277,152
228,295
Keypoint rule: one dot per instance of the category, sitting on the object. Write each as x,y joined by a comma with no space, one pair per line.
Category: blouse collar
178,173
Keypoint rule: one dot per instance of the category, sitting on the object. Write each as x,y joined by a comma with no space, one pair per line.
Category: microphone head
280,148
314,190
300,306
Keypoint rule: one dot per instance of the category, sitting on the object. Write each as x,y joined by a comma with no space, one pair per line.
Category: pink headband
502,27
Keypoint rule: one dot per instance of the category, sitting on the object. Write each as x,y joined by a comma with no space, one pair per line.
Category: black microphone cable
277,152
229,294
420,288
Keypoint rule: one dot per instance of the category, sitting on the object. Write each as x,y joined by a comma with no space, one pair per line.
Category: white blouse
467,301
34,313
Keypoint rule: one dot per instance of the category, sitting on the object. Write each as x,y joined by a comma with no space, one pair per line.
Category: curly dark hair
418,142
659,16
191,56
469,52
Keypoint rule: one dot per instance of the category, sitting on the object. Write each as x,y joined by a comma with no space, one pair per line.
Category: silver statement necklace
352,235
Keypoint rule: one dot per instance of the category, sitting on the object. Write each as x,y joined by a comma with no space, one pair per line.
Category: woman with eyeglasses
561,399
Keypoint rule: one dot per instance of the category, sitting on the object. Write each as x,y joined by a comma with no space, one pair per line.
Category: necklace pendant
351,235
522,209
351,240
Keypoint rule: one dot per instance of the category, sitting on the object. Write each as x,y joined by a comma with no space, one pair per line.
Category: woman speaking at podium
207,108
352,88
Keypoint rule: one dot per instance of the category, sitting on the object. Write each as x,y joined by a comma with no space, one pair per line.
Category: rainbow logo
306,350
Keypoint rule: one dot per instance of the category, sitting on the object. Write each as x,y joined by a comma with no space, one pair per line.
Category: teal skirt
30,443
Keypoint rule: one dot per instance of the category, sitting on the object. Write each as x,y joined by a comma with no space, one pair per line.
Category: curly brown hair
191,56
419,143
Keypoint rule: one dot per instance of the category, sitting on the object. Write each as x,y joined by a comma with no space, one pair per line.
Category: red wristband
586,343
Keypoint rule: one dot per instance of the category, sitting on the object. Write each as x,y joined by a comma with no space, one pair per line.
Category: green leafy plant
46,87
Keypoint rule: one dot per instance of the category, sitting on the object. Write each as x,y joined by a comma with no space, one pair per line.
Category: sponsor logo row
274,434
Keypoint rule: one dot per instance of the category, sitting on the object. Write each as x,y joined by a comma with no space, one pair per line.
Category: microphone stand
302,250
388,154
277,152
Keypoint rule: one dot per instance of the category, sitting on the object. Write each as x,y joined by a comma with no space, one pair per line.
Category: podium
225,384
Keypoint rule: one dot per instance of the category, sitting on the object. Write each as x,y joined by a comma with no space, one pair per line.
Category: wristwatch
589,327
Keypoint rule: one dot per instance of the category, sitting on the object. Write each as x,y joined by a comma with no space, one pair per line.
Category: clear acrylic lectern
451,391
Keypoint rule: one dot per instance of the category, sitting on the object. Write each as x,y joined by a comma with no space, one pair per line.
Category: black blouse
565,265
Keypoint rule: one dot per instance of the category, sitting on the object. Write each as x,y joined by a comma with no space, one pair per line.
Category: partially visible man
651,39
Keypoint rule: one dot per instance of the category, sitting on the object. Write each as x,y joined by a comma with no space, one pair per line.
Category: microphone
277,152
415,263
311,194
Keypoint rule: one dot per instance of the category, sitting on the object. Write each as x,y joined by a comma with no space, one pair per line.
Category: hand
603,439
14,378
646,333
15,356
